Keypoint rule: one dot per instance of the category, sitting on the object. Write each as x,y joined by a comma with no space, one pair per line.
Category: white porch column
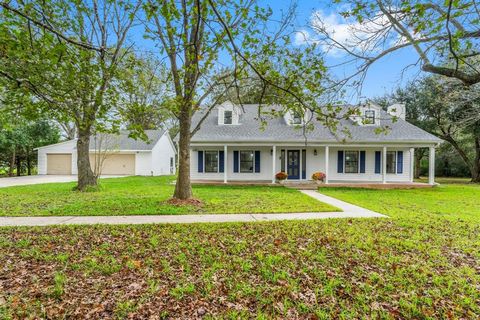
412,161
384,165
274,158
327,156
431,166
225,164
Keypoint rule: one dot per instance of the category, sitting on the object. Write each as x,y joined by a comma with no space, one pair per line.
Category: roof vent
397,110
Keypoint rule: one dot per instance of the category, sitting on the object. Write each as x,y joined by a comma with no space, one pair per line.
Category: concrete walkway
349,211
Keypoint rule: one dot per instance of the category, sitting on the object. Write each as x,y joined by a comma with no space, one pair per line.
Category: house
371,146
114,154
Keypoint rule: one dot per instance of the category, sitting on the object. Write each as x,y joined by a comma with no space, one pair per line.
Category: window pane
227,117
246,161
297,118
211,161
282,160
369,117
391,161
351,161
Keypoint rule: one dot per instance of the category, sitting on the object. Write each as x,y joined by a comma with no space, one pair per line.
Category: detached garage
113,155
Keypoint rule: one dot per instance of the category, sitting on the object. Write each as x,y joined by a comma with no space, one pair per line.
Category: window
369,117
282,160
246,161
211,161
351,161
227,117
391,162
297,118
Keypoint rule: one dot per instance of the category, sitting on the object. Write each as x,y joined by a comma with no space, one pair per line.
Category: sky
383,76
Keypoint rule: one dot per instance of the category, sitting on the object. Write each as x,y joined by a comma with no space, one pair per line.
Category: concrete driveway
28,180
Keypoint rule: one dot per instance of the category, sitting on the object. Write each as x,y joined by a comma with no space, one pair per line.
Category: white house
121,155
231,145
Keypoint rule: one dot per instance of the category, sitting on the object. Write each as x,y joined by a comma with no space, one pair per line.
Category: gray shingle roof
123,142
276,130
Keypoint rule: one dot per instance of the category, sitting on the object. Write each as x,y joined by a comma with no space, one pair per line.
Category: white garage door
122,164
59,163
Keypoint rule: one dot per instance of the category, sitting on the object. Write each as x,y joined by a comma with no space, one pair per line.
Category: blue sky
383,76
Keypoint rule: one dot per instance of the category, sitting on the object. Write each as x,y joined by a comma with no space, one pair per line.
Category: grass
147,196
422,263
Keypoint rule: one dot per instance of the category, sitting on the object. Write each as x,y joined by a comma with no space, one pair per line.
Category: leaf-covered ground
423,263
149,195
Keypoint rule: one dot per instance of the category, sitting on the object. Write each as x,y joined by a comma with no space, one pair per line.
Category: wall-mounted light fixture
314,152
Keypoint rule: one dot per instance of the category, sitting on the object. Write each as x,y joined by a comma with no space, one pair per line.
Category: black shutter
340,162
221,161
399,161
362,161
378,161
235,161
257,161
200,161
304,164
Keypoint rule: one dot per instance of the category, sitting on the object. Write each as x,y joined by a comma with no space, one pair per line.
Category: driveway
28,180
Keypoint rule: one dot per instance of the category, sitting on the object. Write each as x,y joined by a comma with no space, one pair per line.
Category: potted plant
281,177
318,177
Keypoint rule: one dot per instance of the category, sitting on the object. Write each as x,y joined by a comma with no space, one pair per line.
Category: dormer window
297,118
369,117
228,117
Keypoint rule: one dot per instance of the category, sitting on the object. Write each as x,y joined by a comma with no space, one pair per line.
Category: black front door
293,164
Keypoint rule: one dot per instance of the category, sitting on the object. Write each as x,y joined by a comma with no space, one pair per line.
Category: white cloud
346,32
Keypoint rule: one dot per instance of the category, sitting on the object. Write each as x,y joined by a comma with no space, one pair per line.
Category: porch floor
310,185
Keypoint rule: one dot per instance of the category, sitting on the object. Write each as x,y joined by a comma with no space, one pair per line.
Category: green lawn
148,195
422,263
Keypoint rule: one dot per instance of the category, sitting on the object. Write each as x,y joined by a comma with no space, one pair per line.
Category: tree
194,35
449,110
147,90
67,55
443,34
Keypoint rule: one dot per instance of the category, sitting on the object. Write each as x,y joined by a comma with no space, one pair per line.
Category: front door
293,164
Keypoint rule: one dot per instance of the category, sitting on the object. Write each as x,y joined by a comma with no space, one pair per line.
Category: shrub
318,176
281,175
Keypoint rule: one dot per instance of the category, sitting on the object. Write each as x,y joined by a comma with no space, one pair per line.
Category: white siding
369,175
143,163
161,154
64,147
314,163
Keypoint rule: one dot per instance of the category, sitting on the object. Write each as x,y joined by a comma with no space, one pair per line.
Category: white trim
412,161
225,163
403,144
384,165
274,156
327,155
55,144
431,166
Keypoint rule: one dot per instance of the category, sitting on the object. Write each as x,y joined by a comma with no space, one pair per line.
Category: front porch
344,165
311,185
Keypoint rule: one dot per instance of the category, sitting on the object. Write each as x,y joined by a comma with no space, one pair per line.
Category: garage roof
122,141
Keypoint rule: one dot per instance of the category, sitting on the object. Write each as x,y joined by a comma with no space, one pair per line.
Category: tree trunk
19,166
183,188
12,164
86,178
476,163
29,164
418,160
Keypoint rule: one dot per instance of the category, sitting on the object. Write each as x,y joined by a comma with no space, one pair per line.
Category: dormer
295,117
228,114
367,115
397,110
